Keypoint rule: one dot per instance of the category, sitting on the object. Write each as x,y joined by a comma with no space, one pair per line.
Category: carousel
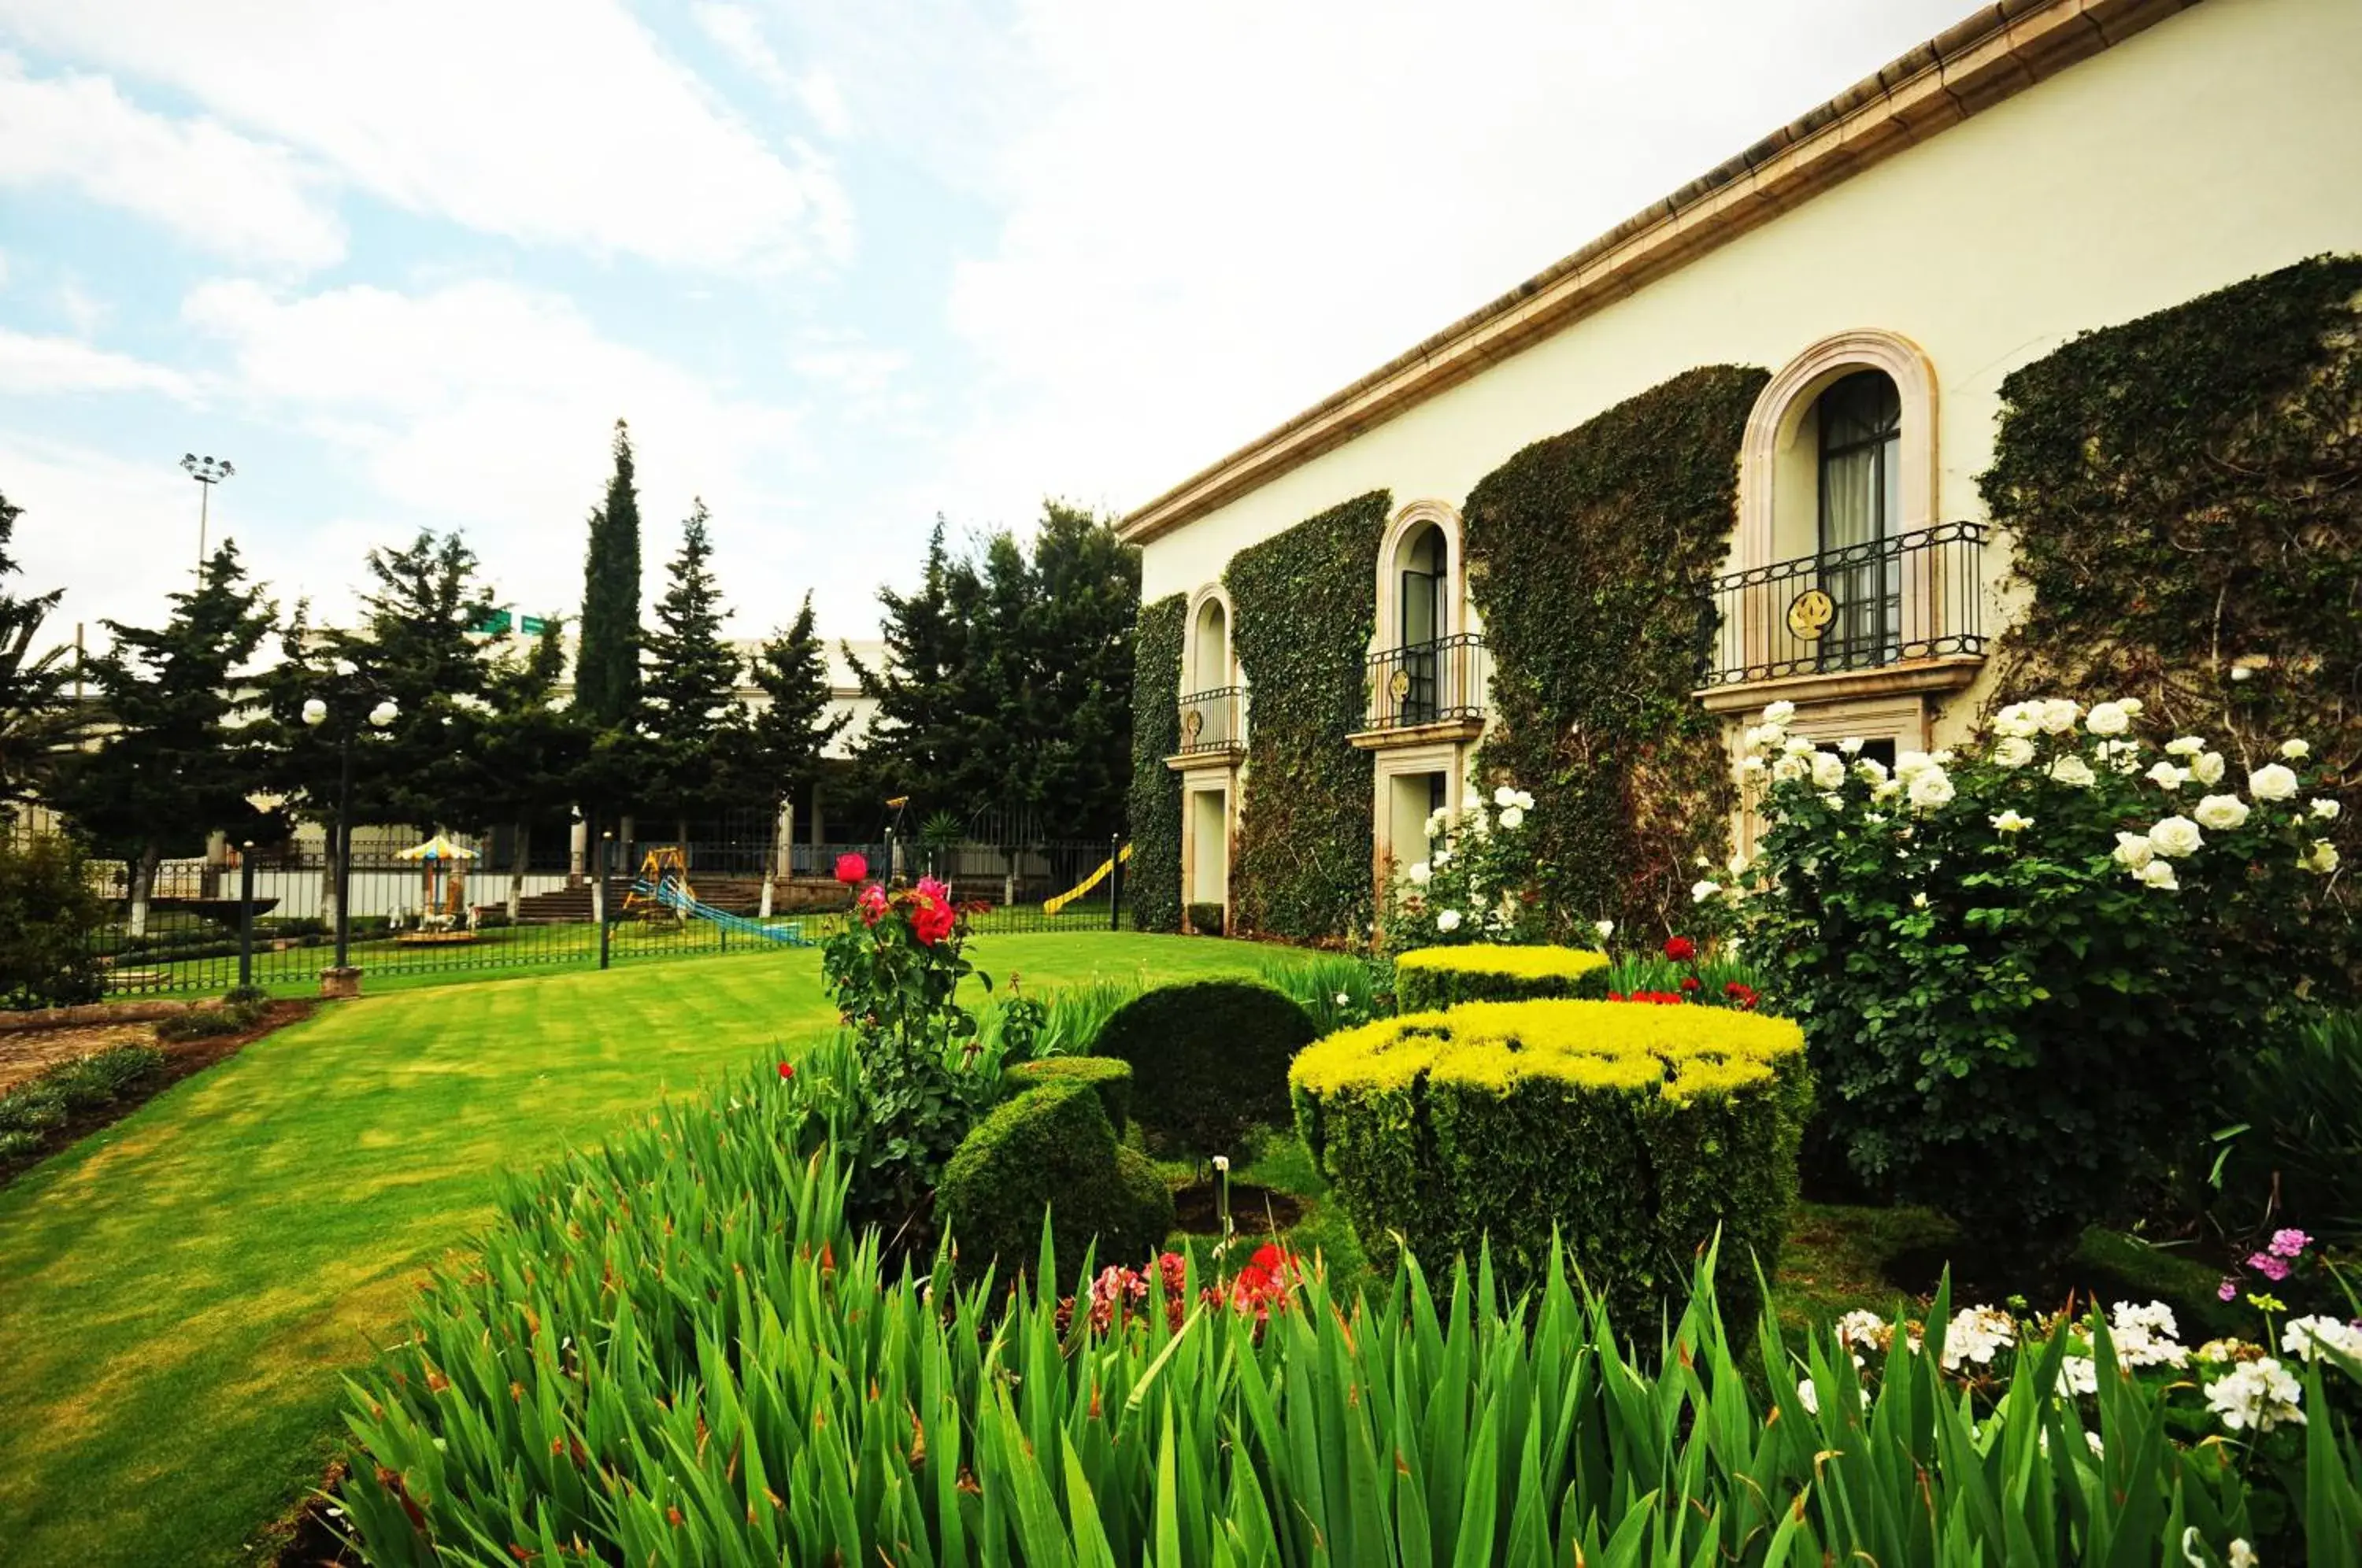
443,915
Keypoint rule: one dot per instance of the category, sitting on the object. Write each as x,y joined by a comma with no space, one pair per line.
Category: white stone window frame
1216,595
1386,633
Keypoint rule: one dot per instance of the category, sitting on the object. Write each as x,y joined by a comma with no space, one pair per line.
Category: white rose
1834,803
1870,768
2326,810
1701,892
2015,751
1942,759
2177,836
2166,776
2057,715
1605,927
1770,736
1752,740
1512,818
2108,719
1828,770
1787,769
1779,712
2271,782
1911,762
2323,858
1443,857
2184,745
1447,920
2009,821
2207,768
2295,750
1799,745
2073,772
2221,813
1524,801
2017,721
1751,766
1930,789
2160,874
2133,851
1885,790
2131,705
1437,820
1851,745
1505,796
1420,874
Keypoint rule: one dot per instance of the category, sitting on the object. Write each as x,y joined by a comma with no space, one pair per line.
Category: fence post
599,893
1115,881
245,914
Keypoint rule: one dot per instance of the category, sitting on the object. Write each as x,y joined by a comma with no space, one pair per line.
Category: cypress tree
794,726
607,664
690,688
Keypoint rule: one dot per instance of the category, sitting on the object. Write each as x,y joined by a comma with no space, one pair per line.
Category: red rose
1680,949
931,920
851,868
1616,996
787,1070
1689,982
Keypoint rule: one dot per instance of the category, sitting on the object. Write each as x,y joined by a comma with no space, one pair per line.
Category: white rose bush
1478,881
2024,970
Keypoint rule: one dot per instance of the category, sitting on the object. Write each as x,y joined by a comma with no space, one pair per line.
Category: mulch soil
1255,1210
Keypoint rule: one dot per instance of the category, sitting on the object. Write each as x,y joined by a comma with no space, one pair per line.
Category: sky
843,267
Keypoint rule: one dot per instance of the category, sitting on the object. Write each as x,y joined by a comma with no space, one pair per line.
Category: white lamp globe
315,712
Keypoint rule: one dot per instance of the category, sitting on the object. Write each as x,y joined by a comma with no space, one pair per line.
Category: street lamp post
317,713
208,472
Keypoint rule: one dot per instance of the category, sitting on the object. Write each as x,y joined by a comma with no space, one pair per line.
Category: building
1877,268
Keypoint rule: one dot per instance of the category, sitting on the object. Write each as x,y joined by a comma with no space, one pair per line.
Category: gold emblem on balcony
1192,722
1810,613
1400,687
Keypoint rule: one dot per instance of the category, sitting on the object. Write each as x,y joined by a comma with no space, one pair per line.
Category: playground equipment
443,914
1051,906
664,882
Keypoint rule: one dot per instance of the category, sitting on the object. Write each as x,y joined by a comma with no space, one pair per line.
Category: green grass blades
673,1351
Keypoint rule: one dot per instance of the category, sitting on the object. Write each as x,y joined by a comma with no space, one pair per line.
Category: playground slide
1051,906
670,895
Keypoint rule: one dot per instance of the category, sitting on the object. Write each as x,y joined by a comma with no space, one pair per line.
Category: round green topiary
1050,1149
1209,1061
1430,977
1636,1131
1110,1078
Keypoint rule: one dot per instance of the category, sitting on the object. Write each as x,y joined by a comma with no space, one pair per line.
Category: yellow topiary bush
1428,978
1635,1131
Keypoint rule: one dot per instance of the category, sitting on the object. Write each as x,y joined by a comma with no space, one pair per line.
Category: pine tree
176,762
36,720
794,725
912,744
690,688
527,749
607,663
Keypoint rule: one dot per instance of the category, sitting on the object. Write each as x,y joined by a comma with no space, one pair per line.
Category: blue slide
670,895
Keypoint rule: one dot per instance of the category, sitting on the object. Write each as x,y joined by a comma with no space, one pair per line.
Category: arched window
1860,509
1212,648
1422,619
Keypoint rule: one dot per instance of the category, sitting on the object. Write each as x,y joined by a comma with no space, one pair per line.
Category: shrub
1430,977
1481,880
240,1009
47,1099
1209,1061
1637,1131
1151,883
1052,1150
1206,919
2043,956
674,1350
1110,1078
50,919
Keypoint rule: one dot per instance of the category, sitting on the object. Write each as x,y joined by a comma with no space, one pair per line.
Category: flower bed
1637,1133
1431,977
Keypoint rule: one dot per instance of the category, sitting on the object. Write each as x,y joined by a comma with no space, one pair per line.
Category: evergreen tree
793,727
607,664
177,761
37,719
912,744
1085,607
528,750
690,687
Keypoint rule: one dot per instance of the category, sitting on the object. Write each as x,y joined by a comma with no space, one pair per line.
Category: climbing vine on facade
1153,880
1590,560
1304,604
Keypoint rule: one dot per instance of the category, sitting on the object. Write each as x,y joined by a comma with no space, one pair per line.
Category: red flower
851,868
930,919
1616,996
1744,995
787,1070
872,903
1680,949
1689,982
1269,1258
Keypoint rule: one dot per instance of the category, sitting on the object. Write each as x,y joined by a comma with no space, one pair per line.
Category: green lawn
179,1293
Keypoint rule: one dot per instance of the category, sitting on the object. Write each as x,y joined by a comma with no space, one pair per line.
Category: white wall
2223,142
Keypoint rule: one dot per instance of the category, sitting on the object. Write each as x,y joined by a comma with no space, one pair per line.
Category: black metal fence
1213,721
1442,681
1917,595
271,922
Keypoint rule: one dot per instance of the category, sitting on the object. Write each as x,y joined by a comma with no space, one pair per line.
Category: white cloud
117,535
210,186
739,32
546,121
31,365
846,361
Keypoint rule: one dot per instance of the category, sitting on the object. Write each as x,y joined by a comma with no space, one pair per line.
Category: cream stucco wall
2223,142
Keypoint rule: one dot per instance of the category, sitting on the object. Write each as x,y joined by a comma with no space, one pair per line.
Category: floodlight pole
207,472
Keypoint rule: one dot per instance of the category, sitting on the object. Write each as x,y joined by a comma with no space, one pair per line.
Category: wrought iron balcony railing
1914,596
1437,682
1210,720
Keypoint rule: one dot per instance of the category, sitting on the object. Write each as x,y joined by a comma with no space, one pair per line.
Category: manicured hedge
1110,1078
1209,1061
1303,606
1151,883
1052,1149
1591,556
1637,1131
1431,977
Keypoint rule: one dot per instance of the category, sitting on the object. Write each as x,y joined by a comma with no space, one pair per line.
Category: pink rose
872,904
2290,1243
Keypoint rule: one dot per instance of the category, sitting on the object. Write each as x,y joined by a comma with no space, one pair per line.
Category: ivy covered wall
1153,880
2183,494
1590,556
1303,605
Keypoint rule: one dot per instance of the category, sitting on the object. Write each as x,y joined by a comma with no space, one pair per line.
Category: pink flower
2290,1243
851,868
872,904
931,888
2228,1290
2271,1267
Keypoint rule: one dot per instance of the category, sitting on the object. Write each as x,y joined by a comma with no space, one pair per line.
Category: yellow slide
1051,906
